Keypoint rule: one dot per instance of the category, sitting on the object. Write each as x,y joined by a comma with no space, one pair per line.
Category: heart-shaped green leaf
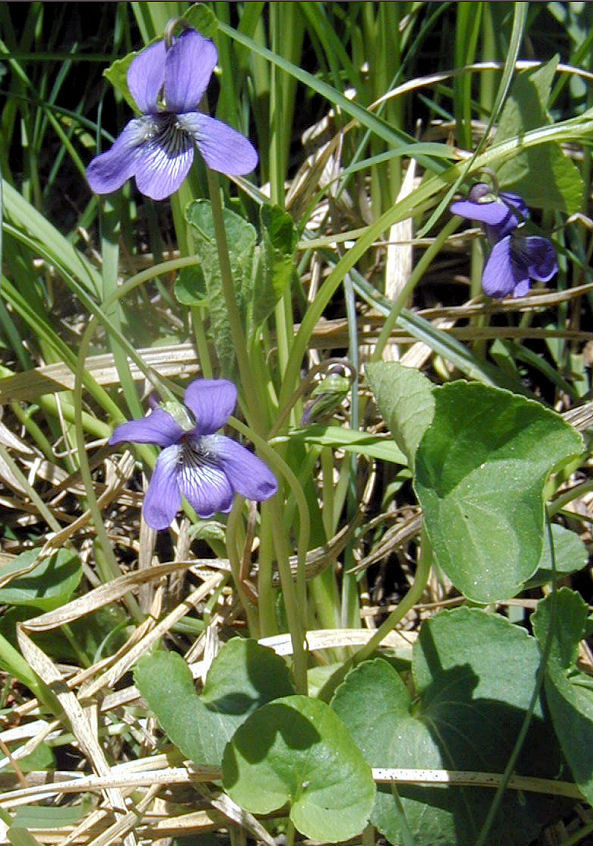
296,750
474,675
243,676
480,473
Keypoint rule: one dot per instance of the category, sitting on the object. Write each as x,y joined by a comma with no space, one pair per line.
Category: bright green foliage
48,585
474,675
545,177
261,273
243,676
296,750
404,397
330,95
569,692
480,471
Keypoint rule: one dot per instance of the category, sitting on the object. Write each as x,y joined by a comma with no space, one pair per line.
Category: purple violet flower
208,469
158,147
515,259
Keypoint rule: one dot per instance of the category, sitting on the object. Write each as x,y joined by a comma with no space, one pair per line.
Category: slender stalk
233,554
405,606
253,400
295,595
295,613
350,598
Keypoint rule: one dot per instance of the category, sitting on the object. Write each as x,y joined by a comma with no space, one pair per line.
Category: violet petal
146,76
163,500
541,254
522,289
494,213
190,62
247,473
502,273
205,486
158,428
223,148
516,204
212,401
163,162
109,171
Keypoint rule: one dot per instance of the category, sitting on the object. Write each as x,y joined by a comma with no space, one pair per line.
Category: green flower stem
368,835
266,592
350,611
254,401
415,276
179,202
232,547
289,833
405,606
201,341
295,594
280,19
295,610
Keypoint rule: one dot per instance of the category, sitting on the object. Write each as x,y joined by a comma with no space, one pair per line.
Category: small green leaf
404,397
297,750
42,758
570,555
544,176
568,692
35,816
480,473
190,287
200,17
350,440
117,75
474,675
243,676
48,586
261,272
